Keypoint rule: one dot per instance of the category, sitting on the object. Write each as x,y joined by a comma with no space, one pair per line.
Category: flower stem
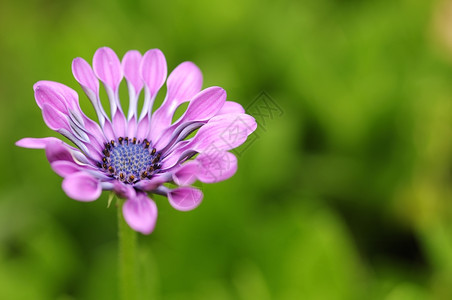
128,268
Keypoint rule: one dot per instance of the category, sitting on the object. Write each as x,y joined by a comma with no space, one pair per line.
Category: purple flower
138,154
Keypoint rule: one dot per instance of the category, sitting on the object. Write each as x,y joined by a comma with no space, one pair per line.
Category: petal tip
82,187
185,198
140,214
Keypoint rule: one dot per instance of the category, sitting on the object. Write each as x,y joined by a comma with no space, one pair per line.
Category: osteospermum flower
136,155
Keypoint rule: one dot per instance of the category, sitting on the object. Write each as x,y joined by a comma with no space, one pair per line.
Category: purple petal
223,132
140,213
58,151
64,125
153,183
186,174
124,190
132,126
131,67
107,67
85,76
119,124
54,119
183,83
36,143
173,156
185,198
82,187
205,105
64,168
46,95
142,129
216,166
61,111
93,152
80,158
161,120
153,70
174,134
97,138
231,107
58,95
74,140
108,131
77,131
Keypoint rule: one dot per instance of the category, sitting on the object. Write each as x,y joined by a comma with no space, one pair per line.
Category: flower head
138,154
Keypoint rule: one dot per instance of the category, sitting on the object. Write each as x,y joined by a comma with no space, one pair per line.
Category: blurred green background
344,192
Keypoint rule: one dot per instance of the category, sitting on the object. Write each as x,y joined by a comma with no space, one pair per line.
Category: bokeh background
344,191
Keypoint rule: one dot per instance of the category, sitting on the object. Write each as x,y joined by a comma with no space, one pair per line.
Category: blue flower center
129,160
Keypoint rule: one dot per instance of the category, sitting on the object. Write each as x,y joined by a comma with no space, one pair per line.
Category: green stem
128,268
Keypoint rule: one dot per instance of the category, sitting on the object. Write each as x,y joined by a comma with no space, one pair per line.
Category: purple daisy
135,155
